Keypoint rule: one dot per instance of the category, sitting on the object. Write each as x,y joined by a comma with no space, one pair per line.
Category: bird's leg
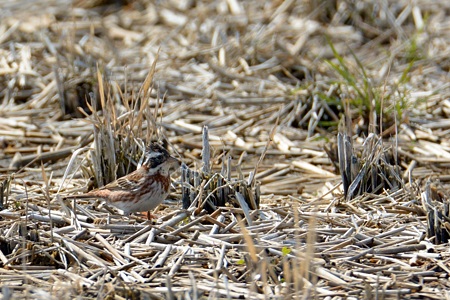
150,216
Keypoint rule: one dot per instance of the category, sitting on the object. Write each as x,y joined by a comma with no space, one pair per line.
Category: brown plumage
141,190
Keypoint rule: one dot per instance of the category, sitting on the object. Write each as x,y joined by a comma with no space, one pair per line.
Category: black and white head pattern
156,155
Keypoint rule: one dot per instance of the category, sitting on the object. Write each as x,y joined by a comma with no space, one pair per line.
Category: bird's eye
155,160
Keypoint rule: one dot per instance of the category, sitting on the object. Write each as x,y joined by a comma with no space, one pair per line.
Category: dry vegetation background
253,72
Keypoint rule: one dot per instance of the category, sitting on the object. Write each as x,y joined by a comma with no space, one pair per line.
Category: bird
142,190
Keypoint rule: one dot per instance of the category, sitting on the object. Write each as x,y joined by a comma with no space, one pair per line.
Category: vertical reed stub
206,151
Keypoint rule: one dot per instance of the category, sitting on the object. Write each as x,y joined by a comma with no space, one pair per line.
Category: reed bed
314,137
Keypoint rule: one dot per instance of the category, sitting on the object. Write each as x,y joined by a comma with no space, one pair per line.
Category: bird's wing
131,182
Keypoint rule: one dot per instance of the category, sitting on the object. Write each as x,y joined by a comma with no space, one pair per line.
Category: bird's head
158,158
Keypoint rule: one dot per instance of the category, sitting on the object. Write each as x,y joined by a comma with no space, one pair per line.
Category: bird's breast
157,182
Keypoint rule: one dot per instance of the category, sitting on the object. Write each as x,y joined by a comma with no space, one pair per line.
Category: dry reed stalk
216,189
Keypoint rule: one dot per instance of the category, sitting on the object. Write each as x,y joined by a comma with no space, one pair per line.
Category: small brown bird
143,189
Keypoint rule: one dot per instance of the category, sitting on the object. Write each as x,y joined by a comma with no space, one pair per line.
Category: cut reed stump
437,207
5,186
372,170
210,190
